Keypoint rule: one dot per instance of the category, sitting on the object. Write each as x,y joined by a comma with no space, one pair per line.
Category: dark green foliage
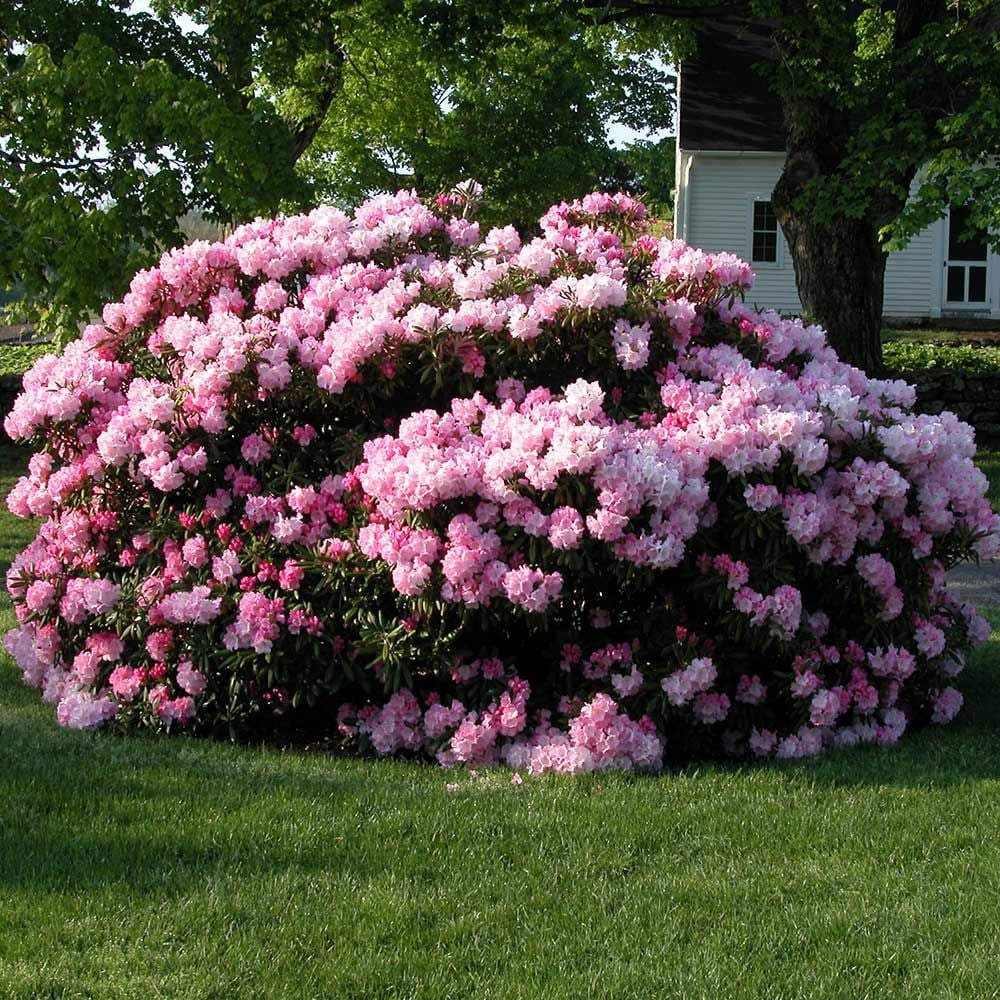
16,359
115,124
912,359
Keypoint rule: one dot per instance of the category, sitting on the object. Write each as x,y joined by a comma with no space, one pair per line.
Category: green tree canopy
876,95
116,123
518,100
646,168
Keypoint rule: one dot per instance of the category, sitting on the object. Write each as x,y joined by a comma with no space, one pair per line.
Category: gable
724,102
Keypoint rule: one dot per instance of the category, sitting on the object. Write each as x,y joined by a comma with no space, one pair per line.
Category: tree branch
74,163
624,10
303,135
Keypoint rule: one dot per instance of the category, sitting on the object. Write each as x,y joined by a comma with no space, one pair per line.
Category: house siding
715,196
912,275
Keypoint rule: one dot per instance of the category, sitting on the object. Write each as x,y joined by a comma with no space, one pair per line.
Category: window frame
965,304
779,255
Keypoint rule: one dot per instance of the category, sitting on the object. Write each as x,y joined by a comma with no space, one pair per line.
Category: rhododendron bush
563,502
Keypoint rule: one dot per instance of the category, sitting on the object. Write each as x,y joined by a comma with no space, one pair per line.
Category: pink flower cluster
564,503
598,737
490,456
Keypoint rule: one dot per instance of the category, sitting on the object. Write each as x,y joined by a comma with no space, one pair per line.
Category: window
764,248
961,245
967,263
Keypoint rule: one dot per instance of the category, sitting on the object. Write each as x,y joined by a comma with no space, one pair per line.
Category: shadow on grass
82,811
963,752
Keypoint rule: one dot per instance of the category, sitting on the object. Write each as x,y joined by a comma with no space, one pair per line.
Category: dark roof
725,103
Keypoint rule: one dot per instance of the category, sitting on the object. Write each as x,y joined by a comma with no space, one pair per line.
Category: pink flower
805,684
761,497
565,528
531,588
683,685
126,683
627,685
763,742
825,707
291,575
438,719
192,607
304,435
81,710
191,680
946,705
929,639
195,551
171,710
710,708
751,690
255,449
892,662
39,595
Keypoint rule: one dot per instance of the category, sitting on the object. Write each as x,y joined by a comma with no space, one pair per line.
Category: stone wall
974,398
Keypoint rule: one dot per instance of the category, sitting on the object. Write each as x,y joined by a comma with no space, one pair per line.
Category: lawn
180,868
989,462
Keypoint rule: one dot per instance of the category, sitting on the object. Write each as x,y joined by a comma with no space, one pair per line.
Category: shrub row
910,359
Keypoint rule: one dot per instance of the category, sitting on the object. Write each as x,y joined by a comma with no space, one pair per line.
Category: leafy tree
515,96
646,169
876,95
115,124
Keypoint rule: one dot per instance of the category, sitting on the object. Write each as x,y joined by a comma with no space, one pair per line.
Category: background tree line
117,122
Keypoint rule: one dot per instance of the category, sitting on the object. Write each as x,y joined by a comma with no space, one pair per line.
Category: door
967,264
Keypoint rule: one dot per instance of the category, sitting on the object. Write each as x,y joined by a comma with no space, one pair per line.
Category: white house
730,151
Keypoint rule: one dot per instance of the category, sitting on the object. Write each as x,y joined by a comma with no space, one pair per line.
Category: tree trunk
840,275
839,262
330,81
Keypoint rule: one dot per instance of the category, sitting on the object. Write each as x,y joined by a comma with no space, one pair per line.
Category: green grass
15,533
989,461
920,335
932,335
150,867
178,868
